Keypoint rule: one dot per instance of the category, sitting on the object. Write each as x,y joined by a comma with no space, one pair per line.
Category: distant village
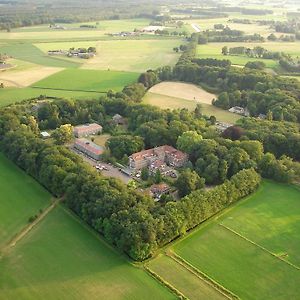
85,53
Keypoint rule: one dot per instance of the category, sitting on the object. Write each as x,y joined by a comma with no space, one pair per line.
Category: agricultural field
252,248
87,80
40,266
177,95
214,50
123,55
21,198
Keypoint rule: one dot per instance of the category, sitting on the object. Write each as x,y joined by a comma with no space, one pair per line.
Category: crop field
21,197
214,50
177,95
61,259
87,80
15,78
186,282
253,248
124,55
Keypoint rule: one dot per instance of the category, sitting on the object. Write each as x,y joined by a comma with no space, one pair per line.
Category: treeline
129,220
227,35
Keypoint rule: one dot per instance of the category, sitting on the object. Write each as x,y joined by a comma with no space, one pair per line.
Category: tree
269,116
188,141
233,133
225,50
157,177
145,174
63,134
188,181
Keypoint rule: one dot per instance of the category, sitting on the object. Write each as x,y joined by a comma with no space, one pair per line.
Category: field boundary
60,89
19,236
259,246
202,276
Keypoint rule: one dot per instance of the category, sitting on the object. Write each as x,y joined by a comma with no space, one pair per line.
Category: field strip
165,283
68,90
259,246
202,276
28,228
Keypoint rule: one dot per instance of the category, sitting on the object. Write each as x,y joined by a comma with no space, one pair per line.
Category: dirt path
196,27
28,228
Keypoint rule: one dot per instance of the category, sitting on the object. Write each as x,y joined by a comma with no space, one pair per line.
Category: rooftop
90,146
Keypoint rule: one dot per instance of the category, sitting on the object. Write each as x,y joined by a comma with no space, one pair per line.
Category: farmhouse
157,158
87,129
89,148
239,110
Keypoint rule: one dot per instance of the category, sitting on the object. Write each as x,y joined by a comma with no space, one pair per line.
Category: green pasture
61,259
123,55
21,197
87,80
186,282
12,95
30,53
167,102
270,218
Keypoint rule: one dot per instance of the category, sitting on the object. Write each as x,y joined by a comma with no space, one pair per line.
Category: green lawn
187,283
166,102
61,259
88,80
124,55
21,197
270,218
12,95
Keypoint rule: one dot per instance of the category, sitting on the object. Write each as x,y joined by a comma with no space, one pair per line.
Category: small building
89,148
118,119
157,190
87,129
222,126
45,135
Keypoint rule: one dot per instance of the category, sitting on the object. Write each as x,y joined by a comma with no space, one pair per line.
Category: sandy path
196,27
184,91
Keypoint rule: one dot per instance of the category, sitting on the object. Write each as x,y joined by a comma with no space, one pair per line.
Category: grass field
88,80
188,91
21,197
214,50
61,259
101,139
124,55
12,95
187,283
246,255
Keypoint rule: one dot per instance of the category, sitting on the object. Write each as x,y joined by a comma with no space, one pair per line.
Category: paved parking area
111,171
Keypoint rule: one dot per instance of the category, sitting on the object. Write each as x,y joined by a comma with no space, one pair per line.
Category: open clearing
88,80
27,77
170,102
21,197
61,259
184,91
248,250
123,55
187,283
